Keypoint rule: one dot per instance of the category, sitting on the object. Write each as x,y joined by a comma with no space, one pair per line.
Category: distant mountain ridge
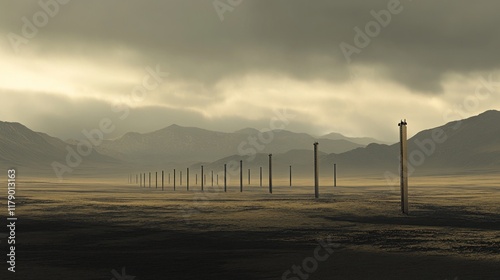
20,146
465,145
183,144
358,140
469,145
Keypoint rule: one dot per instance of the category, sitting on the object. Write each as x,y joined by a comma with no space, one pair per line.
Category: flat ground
86,229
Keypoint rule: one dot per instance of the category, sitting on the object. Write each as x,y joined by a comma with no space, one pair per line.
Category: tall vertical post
187,179
249,176
140,183
260,176
162,180
316,175
270,173
174,179
217,179
144,179
241,176
201,178
212,178
404,166
196,179
180,181
150,179
169,179
334,174
225,178
290,175
156,178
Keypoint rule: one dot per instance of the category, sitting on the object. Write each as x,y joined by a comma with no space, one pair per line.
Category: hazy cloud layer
263,55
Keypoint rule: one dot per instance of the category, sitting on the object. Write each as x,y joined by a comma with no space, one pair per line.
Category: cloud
225,75
296,38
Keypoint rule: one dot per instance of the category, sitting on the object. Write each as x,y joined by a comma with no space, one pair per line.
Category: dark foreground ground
108,231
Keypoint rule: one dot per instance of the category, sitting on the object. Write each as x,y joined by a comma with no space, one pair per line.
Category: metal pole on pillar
202,178
270,173
225,178
316,175
241,176
403,166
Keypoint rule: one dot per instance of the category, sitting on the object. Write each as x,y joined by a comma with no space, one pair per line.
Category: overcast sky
231,64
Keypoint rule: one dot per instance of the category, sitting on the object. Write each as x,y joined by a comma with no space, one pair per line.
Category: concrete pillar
202,178
334,174
241,176
225,178
174,179
316,174
260,176
156,178
212,178
270,173
403,166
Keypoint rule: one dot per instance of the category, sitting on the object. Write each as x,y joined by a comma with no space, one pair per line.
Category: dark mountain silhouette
185,144
358,140
467,145
22,147
470,145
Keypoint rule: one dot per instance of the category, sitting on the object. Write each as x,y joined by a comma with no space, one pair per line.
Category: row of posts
141,178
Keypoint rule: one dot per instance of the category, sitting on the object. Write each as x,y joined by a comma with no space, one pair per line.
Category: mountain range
469,145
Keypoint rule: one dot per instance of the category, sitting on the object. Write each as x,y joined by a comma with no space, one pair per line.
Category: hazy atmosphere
250,139
230,66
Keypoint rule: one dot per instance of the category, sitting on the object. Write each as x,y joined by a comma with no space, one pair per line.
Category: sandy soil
86,229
